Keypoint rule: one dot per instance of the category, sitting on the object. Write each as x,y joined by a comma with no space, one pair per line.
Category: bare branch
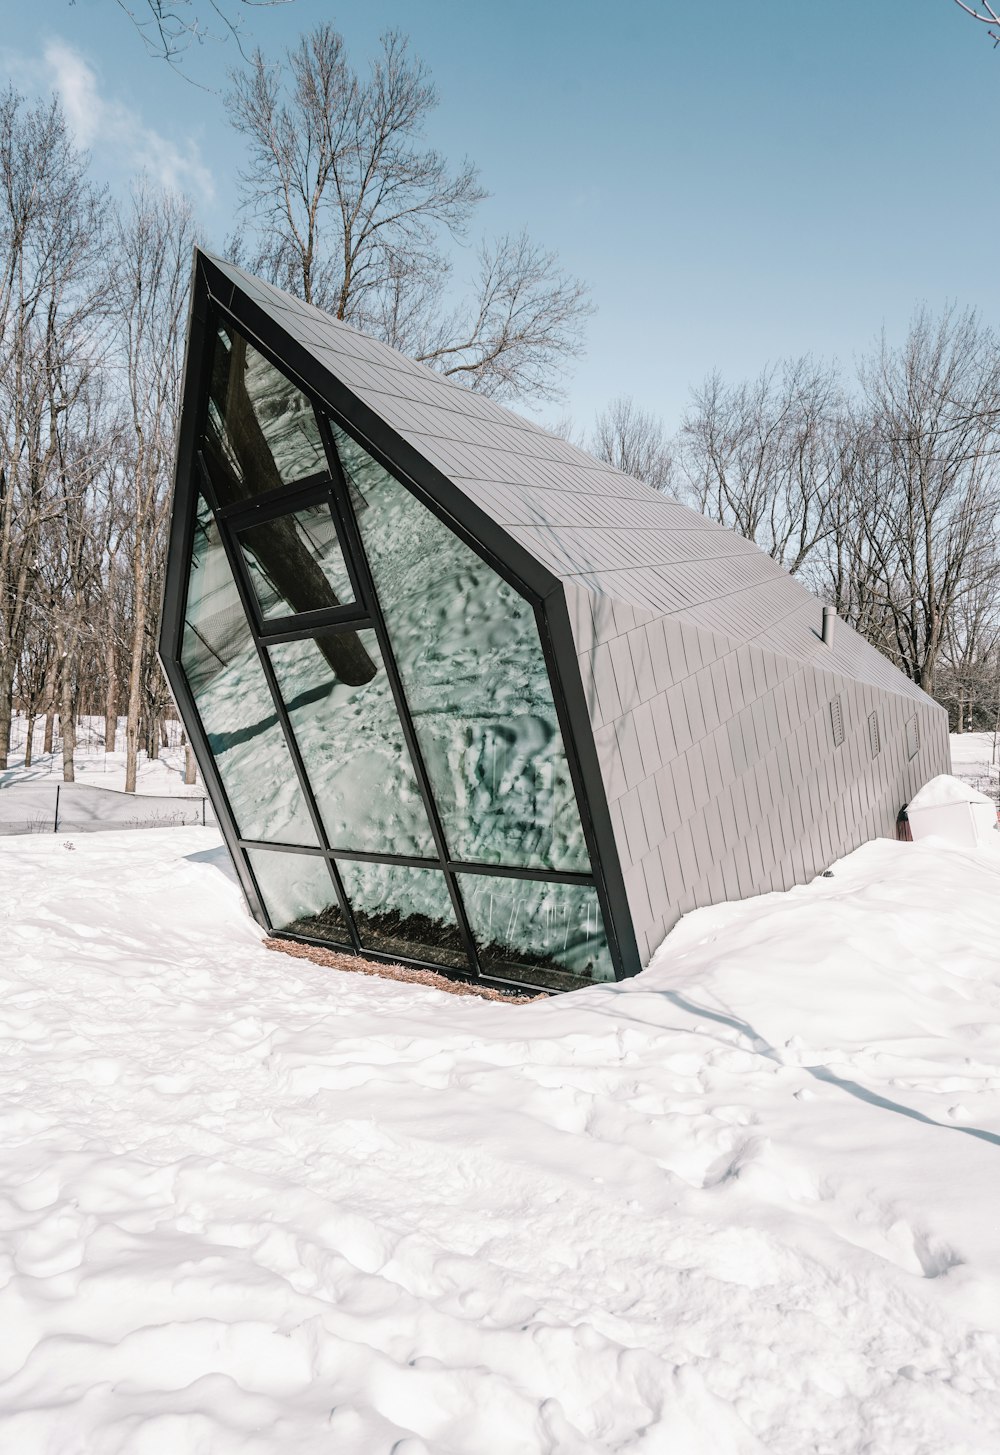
991,17
169,27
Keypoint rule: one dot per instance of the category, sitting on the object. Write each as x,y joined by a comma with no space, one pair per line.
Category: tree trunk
67,720
190,766
110,699
6,708
30,733
132,724
50,727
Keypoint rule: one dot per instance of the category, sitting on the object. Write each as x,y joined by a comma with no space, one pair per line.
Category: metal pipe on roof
829,617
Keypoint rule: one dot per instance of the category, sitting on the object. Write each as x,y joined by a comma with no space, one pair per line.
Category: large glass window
237,711
478,751
260,431
296,563
298,895
471,665
525,930
404,912
352,745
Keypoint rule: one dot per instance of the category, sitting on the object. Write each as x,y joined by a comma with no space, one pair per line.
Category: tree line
880,491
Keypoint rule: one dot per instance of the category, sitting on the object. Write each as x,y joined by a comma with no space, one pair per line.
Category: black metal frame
214,298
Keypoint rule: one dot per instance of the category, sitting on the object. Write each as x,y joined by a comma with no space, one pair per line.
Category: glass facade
525,927
260,430
237,711
471,665
352,745
296,563
299,895
404,912
415,724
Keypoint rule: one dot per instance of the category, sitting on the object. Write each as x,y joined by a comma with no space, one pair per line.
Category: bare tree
51,236
968,680
935,407
764,457
350,210
633,440
154,240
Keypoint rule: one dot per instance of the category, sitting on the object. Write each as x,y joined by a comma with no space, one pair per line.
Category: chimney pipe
829,617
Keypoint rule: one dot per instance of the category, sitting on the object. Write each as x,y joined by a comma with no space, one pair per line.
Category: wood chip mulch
332,960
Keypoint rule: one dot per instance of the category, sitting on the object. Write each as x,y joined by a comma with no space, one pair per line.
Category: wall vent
837,722
874,737
912,737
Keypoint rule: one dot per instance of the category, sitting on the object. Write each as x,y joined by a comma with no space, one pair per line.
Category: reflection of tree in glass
242,462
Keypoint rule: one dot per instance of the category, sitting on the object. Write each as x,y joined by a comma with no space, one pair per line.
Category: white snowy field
747,1202
975,758
161,775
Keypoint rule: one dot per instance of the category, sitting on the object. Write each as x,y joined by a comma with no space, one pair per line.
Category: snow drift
745,1202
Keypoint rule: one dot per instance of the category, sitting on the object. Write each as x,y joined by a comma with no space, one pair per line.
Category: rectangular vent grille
912,737
837,722
874,738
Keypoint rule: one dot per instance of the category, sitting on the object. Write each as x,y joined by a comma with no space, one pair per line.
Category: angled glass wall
354,752
375,697
471,665
223,670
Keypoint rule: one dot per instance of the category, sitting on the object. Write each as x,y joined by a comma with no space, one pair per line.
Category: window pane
296,563
236,708
544,934
405,912
475,679
352,744
261,430
298,895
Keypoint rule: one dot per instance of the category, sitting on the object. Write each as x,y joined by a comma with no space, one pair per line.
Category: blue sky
736,183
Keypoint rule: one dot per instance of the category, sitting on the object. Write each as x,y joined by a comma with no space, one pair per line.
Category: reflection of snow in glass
236,708
353,749
298,894
403,911
526,923
468,653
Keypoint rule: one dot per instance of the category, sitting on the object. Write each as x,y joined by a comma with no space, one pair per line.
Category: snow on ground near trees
162,775
746,1202
975,758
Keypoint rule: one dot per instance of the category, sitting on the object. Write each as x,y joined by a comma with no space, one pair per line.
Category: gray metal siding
750,793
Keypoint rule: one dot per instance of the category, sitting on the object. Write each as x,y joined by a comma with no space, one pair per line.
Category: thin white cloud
111,125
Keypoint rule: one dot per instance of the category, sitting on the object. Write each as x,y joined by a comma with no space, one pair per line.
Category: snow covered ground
975,758
163,775
746,1202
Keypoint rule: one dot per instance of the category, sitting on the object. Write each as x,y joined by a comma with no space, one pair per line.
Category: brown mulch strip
333,960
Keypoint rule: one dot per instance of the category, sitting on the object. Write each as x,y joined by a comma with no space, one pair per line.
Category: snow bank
945,790
745,1202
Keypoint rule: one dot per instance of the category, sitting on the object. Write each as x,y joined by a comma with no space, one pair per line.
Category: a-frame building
465,697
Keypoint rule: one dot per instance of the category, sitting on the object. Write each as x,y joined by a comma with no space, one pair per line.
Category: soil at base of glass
411,936
416,937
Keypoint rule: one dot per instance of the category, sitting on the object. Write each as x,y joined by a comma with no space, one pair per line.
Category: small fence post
55,826
203,813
